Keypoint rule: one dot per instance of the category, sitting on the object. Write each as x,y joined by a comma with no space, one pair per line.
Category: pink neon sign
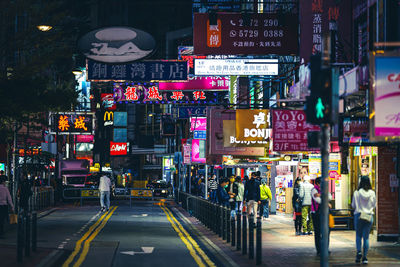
198,124
198,151
197,83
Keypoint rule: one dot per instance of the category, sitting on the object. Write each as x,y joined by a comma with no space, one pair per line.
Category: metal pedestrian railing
235,227
42,198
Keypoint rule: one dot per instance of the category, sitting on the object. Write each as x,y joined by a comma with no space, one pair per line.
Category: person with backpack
364,202
265,198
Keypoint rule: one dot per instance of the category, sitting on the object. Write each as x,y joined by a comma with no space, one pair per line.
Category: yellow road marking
79,242
90,239
185,241
191,240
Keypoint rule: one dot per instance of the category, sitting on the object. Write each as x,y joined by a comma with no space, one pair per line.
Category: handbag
331,221
13,218
366,217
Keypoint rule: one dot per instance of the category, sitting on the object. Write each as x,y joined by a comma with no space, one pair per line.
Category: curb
46,212
54,258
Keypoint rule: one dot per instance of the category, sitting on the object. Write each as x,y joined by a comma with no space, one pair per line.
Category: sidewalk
281,247
8,248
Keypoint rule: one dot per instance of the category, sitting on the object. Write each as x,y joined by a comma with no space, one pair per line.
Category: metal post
27,235
239,230
251,236
228,225
20,238
223,223
258,241
244,234
324,211
206,182
34,231
233,230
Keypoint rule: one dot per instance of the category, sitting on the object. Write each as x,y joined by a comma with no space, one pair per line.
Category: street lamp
44,28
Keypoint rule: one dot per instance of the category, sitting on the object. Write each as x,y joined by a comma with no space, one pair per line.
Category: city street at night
203,133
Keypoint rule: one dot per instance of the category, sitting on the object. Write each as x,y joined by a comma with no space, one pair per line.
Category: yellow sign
90,193
141,193
252,124
97,165
108,118
230,139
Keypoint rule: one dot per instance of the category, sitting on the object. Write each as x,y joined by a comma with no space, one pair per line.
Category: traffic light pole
324,209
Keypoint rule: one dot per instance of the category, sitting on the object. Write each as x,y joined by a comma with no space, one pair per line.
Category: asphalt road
149,233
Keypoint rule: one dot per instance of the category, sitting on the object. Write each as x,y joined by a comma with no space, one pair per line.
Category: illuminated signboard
118,149
198,124
217,67
107,100
72,123
197,83
108,118
198,151
150,93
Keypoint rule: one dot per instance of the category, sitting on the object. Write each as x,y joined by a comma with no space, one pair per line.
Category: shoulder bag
366,217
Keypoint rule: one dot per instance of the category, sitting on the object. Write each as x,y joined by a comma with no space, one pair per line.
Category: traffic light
320,104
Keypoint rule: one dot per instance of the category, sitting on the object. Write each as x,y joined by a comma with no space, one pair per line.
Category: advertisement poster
107,100
187,150
265,34
198,151
289,130
387,96
118,148
198,124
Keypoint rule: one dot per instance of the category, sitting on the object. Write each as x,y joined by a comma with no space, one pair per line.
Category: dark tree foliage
35,66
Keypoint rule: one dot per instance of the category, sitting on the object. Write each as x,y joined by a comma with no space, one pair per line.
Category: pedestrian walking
240,194
222,195
213,186
104,188
364,202
297,205
315,212
265,198
305,194
5,200
252,195
24,193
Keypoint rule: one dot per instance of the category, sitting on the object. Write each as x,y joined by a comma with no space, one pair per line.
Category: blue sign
138,71
187,112
199,135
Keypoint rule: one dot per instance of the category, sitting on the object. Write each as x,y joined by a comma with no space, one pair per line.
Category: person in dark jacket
297,204
232,190
252,195
222,195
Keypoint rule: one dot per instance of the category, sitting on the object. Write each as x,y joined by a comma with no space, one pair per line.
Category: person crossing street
104,188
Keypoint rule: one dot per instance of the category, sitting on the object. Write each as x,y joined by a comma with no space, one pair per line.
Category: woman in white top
364,202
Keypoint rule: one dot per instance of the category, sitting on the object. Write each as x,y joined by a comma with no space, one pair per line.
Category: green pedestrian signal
319,108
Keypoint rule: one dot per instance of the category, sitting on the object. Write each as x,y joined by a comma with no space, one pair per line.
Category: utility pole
324,209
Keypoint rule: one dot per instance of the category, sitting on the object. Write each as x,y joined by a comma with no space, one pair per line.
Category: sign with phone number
261,34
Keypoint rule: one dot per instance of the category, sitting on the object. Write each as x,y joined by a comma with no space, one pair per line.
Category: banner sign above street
161,70
116,44
72,123
290,129
215,67
197,83
150,93
264,34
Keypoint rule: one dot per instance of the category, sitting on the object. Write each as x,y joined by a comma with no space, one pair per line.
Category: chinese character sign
150,92
162,70
252,125
72,123
290,130
264,34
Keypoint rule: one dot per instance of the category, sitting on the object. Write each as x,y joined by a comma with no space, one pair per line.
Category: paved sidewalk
281,247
